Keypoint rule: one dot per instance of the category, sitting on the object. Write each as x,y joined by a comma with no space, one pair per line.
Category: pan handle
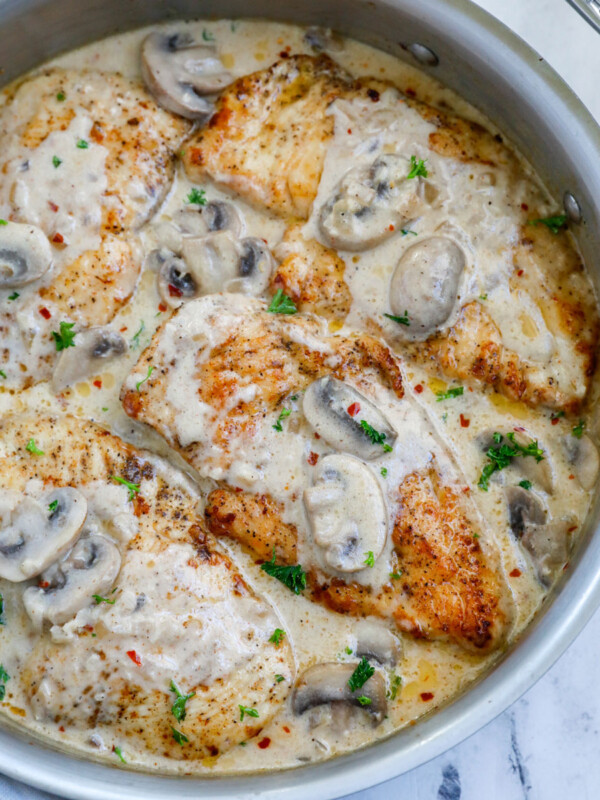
589,10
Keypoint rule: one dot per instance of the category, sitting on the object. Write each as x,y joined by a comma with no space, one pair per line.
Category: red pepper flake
264,743
285,728
349,131
313,458
353,409
134,657
97,383
466,490
554,421
62,729
418,388
162,307
464,422
392,228
519,273
515,573
53,206
284,54
58,238
317,436
44,312
123,329
425,696
571,477
43,584
524,206
174,291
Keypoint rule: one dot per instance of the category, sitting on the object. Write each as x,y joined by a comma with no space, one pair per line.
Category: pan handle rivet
572,207
424,55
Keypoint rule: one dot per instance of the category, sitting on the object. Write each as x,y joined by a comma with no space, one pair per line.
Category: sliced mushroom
328,683
342,416
95,348
321,39
90,568
377,643
347,512
582,455
540,473
425,283
214,216
179,73
38,532
371,203
175,282
524,509
25,255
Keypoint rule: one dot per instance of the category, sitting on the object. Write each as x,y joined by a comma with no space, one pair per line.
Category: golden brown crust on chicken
171,570
268,135
312,275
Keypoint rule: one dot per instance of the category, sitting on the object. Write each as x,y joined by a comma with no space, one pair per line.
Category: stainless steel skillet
482,60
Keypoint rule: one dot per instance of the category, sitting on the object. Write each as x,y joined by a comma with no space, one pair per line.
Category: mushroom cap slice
95,348
325,405
582,455
90,568
323,39
524,509
328,683
218,215
548,547
425,283
179,72
377,643
347,512
175,282
25,255
36,532
371,203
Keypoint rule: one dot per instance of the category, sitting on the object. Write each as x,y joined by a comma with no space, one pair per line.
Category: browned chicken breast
154,636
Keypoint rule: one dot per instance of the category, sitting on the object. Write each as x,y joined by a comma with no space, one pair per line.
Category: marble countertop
546,746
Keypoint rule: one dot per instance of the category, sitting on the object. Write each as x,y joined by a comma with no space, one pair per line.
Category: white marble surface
546,746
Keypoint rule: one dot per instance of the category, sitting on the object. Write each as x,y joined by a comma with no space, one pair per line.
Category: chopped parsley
456,391
179,737
56,161
557,415
139,383
348,651
82,144
3,222
404,320
119,753
395,686
285,412
32,448
384,472
282,304
53,506
578,429
502,456
207,35
61,96
293,576
99,599
133,488
66,337
395,576
361,674
196,197
178,707
135,342
553,223
247,712
417,168
279,678
364,701
4,677
375,436
277,636
13,296
407,231
2,373
525,484
370,559
483,296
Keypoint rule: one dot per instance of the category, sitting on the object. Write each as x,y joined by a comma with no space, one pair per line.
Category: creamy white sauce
478,205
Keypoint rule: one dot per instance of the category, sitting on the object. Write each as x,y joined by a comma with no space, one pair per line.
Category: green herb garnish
407,231
553,223
364,701
279,678
196,197
56,161
285,412
395,686
135,341
207,35
53,506
395,576
525,484
501,456
577,431
4,677
179,737
456,391
178,707
2,373
384,472
293,576
82,144
99,599
247,712
370,559
361,674
483,296
119,752
277,636
32,448
133,488
404,320
139,383
61,96
13,296
417,168
66,337
282,304
375,436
